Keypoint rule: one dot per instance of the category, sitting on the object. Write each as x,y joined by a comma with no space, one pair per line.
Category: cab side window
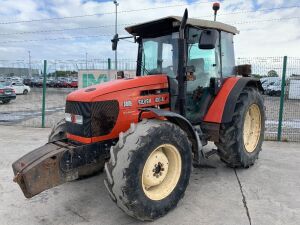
228,61
205,61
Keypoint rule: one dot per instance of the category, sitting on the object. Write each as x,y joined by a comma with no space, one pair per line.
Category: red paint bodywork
122,90
130,90
215,111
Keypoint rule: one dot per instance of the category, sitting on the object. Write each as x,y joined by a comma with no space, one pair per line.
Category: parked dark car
37,82
6,93
27,81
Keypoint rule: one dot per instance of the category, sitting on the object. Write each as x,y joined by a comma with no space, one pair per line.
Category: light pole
86,60
29,62
116,31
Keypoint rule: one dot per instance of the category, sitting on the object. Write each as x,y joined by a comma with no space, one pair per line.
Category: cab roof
172,23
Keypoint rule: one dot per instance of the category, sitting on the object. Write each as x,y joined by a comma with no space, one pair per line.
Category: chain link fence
281,86
26,110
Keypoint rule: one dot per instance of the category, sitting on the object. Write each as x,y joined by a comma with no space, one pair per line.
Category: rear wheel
241,140
149,169
6,101
25,92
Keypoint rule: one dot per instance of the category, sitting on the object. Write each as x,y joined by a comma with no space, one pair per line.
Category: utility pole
29,63
55,69
86,60
116,31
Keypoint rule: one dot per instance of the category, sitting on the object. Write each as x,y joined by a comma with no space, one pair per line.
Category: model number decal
159,99
127,103
144,101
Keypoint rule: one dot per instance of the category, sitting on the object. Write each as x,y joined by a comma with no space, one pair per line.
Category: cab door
206,66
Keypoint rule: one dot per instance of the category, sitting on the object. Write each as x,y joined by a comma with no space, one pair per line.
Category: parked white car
20,88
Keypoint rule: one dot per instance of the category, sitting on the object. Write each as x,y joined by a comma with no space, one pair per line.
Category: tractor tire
58,131
149,169
241,140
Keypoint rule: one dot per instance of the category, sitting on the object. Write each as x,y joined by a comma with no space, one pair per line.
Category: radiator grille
103,117
99,118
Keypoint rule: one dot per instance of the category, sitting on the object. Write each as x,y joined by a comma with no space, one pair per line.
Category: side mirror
114,42
208,39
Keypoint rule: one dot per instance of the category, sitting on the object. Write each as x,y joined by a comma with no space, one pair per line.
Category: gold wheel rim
161,172
252,128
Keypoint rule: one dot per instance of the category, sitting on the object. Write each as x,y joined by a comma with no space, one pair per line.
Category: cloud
257,37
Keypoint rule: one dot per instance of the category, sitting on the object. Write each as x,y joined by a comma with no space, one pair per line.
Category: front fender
184,124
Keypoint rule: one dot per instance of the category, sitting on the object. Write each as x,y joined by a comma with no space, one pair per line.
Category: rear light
13,90
78,119
1,91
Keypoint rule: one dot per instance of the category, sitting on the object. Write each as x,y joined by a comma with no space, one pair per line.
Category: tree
272,73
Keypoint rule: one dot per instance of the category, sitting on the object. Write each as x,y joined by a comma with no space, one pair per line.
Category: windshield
159,55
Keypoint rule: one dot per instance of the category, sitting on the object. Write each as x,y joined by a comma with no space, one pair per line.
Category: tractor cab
206,51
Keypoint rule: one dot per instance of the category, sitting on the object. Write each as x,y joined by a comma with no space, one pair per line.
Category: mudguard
184,124
222,108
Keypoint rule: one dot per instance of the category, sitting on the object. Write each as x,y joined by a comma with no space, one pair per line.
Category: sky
267,28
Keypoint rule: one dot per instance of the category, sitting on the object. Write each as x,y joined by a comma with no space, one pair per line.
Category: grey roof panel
191,21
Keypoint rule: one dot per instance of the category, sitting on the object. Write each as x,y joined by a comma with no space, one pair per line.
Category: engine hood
90,93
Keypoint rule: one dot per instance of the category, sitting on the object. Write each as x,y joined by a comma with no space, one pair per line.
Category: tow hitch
56,163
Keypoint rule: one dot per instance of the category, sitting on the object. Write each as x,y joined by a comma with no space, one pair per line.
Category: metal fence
282,99
281,83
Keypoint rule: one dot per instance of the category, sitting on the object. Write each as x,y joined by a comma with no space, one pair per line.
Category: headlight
78,119
68,117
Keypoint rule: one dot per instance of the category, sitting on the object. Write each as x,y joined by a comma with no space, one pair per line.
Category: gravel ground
267,193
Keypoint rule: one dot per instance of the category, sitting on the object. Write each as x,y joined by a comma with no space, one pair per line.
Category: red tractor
147,132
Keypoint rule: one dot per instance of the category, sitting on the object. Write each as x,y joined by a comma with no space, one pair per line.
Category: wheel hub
155,169
252,128
161,172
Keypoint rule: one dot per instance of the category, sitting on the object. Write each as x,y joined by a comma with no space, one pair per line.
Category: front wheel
25,92
241,140
149,169
58,131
